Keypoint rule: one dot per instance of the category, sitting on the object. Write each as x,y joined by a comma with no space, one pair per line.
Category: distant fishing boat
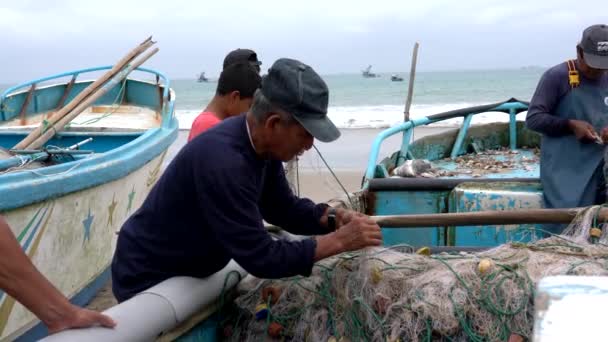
396,78
202,77
65,198
367,73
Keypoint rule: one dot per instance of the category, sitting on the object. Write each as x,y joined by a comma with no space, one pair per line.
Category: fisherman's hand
604,134
78,317
582,130
344,216
359,232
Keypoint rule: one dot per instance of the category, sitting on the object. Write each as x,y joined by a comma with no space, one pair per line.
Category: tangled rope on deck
396,294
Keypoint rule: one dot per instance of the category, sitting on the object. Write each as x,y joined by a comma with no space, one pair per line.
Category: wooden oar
524,216
37,132
89,101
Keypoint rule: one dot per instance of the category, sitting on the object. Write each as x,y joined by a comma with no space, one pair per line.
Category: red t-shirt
203,122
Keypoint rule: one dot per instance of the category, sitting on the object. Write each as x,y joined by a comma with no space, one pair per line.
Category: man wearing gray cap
570,110
209,205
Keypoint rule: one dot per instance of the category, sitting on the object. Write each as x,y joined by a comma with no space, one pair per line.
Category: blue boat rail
512,107
162,82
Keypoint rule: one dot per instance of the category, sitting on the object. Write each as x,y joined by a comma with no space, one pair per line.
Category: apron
571,171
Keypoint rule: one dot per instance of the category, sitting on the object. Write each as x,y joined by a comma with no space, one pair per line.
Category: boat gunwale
511,107
14,90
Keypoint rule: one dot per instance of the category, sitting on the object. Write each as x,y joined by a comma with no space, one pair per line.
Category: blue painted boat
484,167
65,204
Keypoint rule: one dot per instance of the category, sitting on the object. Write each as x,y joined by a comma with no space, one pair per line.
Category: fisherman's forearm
548,124
20,279
328,245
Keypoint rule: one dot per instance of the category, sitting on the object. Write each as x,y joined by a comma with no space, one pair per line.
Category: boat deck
503,163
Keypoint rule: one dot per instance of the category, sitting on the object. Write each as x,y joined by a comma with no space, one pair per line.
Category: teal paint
411,202
513,129
373,158
469,197
462,133
405,145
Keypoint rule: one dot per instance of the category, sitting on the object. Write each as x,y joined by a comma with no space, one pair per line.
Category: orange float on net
271,292
275,329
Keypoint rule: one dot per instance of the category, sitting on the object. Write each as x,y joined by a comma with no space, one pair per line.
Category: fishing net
398,294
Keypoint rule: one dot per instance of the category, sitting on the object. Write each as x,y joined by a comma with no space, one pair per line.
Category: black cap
240,56
297,89
239,77
595,46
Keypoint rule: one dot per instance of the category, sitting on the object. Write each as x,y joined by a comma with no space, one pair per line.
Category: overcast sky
333,36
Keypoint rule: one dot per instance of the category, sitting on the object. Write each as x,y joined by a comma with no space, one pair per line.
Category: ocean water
357,102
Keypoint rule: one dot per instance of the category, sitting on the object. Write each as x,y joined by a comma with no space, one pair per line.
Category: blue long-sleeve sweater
552,86
207,208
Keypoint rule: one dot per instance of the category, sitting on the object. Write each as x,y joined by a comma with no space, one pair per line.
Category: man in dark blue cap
209,205
570,110
242,56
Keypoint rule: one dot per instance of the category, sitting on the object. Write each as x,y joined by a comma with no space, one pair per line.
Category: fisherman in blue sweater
209,205
570,109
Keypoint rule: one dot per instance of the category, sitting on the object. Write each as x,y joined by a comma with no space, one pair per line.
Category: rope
335,177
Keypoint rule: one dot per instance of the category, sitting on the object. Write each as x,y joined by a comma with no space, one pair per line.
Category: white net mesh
394,294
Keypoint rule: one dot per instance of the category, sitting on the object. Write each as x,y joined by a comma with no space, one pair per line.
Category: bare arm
20,279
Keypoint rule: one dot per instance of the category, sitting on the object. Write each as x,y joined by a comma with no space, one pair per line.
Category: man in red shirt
233,96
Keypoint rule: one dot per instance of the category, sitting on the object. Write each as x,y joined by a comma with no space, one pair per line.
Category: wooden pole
410,89
46,136
26,103
484,218
66,92
37,132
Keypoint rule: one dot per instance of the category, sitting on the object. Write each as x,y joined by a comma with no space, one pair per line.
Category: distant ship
368,74
396,78
202,77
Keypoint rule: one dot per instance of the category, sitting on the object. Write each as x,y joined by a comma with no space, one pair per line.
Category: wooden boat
202,77
367,73
474,168
396,78
66,199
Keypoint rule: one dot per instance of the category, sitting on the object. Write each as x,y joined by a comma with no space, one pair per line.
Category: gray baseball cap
297,89
595,46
